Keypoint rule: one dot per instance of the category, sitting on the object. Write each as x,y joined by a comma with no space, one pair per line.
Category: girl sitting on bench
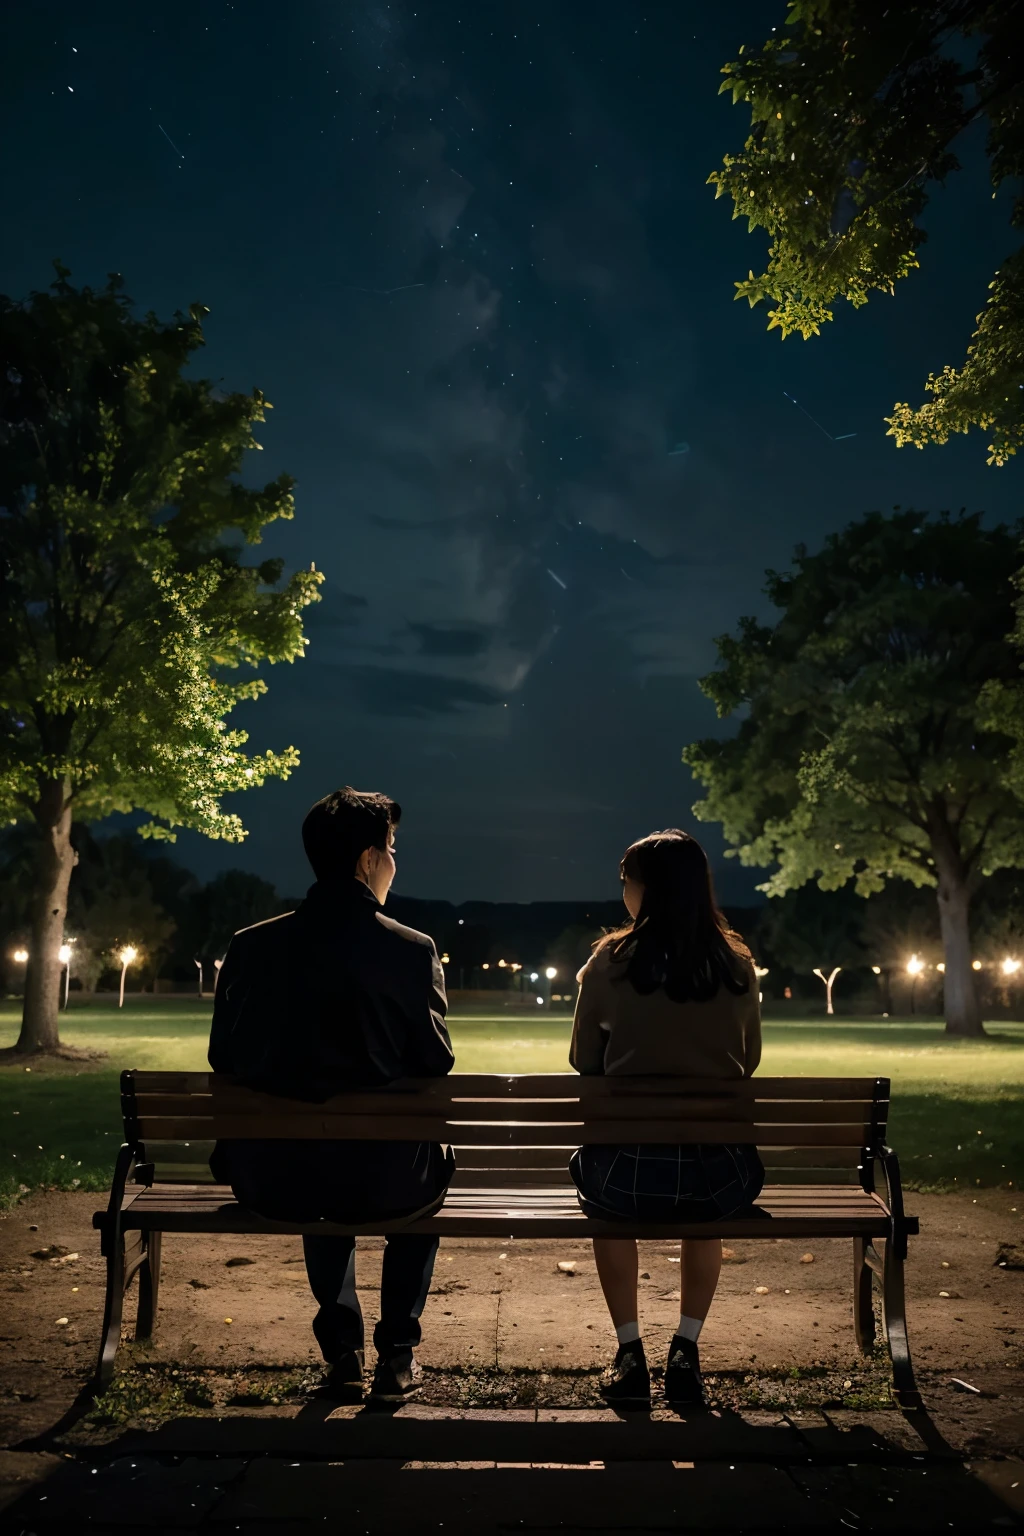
673,992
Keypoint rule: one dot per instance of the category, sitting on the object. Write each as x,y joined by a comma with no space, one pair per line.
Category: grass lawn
957,1120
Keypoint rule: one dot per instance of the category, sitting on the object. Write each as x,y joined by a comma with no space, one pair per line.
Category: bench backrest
521,1129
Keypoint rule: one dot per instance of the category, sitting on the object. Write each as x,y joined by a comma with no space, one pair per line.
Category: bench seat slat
570,1133
529,1211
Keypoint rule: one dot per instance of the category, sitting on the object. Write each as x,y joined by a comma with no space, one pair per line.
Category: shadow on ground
535,1470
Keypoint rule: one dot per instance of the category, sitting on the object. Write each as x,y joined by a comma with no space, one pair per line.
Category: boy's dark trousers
350,1182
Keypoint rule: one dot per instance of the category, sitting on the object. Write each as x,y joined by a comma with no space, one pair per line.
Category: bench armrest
894,1198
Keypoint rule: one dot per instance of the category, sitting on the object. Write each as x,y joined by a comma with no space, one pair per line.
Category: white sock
628,1333
689,1328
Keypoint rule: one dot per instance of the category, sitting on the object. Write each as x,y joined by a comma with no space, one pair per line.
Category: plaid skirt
700,1182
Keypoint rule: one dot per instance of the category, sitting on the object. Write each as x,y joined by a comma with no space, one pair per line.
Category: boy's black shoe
684,1384
343,1378
627,1382
397,1379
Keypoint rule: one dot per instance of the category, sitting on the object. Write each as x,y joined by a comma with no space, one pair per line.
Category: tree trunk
963,1012
39,1026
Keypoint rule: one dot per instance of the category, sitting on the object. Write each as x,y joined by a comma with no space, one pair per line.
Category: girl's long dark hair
679,940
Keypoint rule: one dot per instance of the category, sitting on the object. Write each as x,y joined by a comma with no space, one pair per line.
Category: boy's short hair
343,825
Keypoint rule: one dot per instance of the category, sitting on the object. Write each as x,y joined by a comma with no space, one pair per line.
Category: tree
571,950
234,899
854,111
124,599
869,748
813,932
111,903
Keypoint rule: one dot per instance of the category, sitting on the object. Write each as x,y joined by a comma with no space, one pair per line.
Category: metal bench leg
894,1317
113,1309
149,1286
863,1307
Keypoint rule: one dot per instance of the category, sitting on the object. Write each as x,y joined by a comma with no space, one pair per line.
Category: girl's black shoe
684,1384
627,1383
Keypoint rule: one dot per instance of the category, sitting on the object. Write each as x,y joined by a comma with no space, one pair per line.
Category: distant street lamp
534,976
551,972
64,956
128,954
20,957
1010,967
914,969
828,980
975,965
199,968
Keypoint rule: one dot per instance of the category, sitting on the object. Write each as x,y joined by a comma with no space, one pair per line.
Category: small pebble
567,1266
761,1290
61,1321
807,1258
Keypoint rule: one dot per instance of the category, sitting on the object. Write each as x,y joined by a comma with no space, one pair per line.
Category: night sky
468,252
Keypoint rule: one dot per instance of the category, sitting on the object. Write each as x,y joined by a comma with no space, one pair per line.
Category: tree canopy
855,108
126,602
875,736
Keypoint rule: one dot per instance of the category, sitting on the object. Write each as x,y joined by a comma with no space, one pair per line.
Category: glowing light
64,954
975,965
914,966
534,976
828,980
128,954
445,959
760,970
941,967
540,1001
501,965
21,956
1010,967
486,966
877,970
551,972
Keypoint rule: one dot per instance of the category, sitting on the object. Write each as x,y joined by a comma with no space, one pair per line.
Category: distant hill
479,933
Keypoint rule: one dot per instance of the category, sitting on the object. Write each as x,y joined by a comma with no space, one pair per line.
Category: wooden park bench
821,1140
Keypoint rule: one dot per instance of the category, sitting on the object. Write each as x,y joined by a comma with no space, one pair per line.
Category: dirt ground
505,1328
